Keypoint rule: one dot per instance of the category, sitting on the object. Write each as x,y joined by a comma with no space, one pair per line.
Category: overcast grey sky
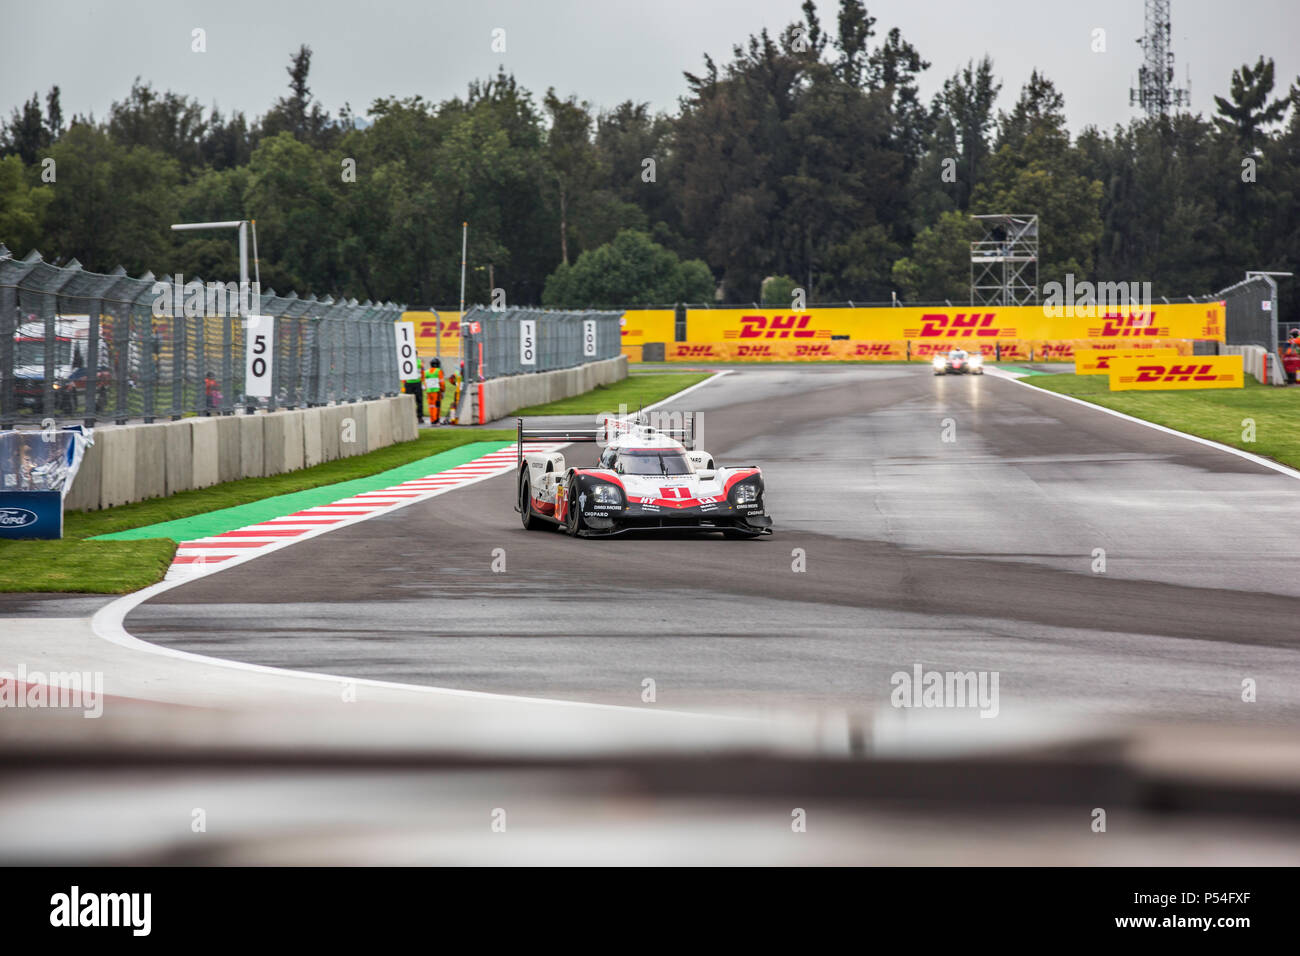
606,51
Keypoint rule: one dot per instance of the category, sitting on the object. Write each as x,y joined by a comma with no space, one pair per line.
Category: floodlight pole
242,226
464,237
244,287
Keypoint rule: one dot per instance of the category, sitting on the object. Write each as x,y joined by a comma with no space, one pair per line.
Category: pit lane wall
130,463
501,396
1021,333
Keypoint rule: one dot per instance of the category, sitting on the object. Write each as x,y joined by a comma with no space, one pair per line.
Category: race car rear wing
608,427
550,434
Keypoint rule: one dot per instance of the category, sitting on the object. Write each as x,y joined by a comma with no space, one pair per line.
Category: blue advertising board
31,514
36,473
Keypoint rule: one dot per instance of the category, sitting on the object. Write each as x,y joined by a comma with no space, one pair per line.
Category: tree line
809,158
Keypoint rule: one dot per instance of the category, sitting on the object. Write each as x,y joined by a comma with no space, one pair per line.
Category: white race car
645,480
959,362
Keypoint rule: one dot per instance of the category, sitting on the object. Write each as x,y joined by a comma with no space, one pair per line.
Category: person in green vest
415,386
433,390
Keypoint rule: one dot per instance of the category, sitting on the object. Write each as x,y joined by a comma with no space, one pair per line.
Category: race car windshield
653,462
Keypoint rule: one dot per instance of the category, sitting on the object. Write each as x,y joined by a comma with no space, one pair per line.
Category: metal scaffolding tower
1004,261
1155,91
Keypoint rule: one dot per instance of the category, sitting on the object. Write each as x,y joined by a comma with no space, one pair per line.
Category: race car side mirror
705,475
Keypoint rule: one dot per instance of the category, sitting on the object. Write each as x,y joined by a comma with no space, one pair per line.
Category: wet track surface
977,553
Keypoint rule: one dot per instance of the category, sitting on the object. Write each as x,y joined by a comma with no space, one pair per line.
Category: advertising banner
959,325
648,325
426,333
36,473
1183,372
1097,361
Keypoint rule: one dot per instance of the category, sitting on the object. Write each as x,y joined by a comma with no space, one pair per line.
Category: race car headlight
938,361
746,493
606,494
977,360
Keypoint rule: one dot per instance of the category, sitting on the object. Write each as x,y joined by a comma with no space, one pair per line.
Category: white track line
686,391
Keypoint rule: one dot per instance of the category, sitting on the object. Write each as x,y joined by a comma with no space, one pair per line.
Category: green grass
634,391
1214,413
95,567
116,567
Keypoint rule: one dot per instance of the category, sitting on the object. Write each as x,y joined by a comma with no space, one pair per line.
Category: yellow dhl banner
1003,350
638,327
957,325
1097,361
786,352
426,332
1194,371
648,325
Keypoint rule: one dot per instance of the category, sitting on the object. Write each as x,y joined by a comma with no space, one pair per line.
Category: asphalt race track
970,554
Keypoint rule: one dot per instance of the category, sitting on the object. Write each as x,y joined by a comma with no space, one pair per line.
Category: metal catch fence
77,344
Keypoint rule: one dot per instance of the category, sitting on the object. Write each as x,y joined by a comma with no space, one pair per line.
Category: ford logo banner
31,514
16,517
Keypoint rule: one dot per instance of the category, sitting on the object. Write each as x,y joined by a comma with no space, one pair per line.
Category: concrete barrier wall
1255,361
204,451
133,462
501,396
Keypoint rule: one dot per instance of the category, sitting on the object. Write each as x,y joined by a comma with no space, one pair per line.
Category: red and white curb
205,555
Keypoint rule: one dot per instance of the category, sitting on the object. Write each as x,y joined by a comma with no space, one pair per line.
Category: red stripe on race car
602,475
748,473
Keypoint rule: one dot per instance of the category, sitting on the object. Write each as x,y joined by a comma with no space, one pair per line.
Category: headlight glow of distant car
746,493
605,494
938,361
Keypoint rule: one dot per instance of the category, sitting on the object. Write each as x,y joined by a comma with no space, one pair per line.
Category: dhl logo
927,350
875,350
696,351
755,351
1051,350
1129,326
940,324
1214,371
1174,373
429,329
1211,328
812,351
778,327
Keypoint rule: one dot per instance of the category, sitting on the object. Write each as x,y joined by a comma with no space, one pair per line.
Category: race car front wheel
530,521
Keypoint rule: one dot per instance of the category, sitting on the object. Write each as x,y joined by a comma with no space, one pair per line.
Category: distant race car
959,362
645,480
